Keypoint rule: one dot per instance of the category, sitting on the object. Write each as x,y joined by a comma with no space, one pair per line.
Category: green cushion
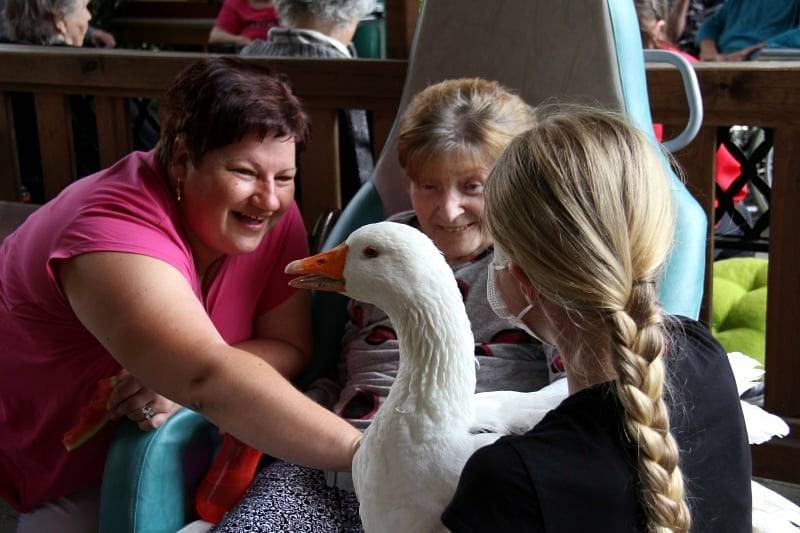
739,305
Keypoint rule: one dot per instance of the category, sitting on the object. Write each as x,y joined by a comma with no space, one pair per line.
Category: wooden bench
757,94
188,23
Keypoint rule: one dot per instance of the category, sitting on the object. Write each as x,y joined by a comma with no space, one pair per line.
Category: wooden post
113,129
401,23
9,163
320,180
783,312
382,122
55,142
780,458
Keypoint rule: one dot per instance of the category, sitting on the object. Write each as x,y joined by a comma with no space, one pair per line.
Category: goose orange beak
322,272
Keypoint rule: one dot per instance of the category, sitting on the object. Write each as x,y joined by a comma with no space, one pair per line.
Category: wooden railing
754,94
325,87
764,95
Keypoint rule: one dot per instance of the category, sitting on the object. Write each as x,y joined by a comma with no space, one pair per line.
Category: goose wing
772,513
508,412
746,370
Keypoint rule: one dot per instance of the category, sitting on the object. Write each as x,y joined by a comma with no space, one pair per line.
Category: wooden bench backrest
324,86
12,214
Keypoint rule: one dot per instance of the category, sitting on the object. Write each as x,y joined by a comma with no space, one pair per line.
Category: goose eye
370,252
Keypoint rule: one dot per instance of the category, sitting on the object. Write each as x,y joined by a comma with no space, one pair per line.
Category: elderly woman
37,18
57,23
449,138
168,265
324,29
48,21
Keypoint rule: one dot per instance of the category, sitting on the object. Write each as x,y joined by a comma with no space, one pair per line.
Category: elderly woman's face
235,194
447,195
73,26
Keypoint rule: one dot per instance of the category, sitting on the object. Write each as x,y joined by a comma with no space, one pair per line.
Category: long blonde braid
581,203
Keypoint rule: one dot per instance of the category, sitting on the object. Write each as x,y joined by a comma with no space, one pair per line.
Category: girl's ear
523,281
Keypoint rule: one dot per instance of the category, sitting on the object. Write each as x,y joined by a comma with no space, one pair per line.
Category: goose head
387,264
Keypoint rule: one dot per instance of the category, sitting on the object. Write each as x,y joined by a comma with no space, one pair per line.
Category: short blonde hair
469,116
581,202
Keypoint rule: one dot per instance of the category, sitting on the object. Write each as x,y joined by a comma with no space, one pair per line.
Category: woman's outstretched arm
146,315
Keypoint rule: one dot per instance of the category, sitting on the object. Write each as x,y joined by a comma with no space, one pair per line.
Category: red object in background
92,417
227,480
728,168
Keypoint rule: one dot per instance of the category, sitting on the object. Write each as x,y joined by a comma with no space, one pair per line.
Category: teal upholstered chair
572,50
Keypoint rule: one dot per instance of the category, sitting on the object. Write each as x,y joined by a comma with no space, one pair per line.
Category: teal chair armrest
683,281
150,478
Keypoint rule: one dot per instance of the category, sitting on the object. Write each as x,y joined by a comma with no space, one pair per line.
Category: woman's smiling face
447,195
234,195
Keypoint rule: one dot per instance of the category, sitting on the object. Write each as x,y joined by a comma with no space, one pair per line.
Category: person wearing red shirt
241,21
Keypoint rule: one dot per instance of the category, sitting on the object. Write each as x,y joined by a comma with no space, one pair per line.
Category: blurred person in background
742,27
325,29
241,21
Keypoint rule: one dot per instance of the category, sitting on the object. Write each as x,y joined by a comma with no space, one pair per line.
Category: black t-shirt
576,470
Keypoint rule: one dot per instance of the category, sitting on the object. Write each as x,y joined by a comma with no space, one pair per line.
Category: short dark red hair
217,101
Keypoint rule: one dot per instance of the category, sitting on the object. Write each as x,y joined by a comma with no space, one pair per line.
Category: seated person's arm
708,50
787,39
147,316
708,33
743,54
220,36
97,38
227,28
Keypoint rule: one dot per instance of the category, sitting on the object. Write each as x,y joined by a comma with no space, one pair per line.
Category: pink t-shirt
240,18
50,364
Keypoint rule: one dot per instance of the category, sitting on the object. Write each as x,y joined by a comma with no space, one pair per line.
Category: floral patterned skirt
292,498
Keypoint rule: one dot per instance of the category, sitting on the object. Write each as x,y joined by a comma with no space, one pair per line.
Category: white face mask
496,300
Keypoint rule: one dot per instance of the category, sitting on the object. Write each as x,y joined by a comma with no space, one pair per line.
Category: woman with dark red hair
166,272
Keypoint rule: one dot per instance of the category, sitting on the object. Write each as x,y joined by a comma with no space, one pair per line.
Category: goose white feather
410,458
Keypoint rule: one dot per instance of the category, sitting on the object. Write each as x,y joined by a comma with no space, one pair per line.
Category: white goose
410,458
407,467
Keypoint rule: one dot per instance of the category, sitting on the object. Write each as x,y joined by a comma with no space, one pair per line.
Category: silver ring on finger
147,412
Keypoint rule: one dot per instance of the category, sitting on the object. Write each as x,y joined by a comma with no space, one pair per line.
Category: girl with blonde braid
651,437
